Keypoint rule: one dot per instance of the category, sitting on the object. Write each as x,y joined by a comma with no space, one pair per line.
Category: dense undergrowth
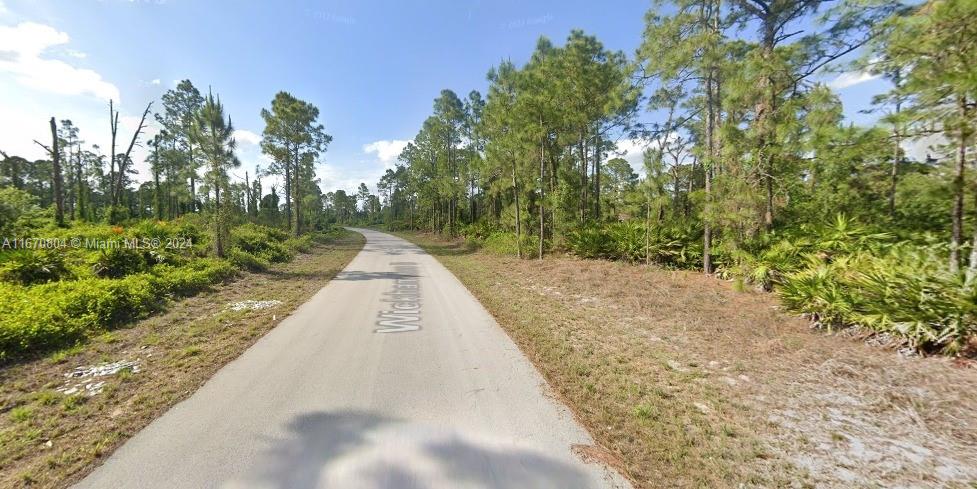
91,278
839,273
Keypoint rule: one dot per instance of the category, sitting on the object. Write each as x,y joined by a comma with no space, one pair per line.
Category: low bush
909,292
54,315
591,242
29,267
118,262
19,212
628,241
262,241
299,244
480,231
502,243
244,260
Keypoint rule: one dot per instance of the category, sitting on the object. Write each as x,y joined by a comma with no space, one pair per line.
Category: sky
372,67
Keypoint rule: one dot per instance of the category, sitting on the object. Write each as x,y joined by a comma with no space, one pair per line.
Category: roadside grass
688,383
50,439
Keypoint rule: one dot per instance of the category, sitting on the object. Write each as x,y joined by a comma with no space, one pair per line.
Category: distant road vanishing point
391,376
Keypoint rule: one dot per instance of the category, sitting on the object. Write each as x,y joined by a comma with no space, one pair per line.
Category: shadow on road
365,450
356,275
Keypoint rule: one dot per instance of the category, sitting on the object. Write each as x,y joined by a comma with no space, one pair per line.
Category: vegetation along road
393,375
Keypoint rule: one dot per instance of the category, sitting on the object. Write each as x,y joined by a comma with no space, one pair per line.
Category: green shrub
502,243
907,291
665,245
29,267
262,241
243,259
629,241
299,244
18,211
55,315
396,225
118,262
591,242
479,231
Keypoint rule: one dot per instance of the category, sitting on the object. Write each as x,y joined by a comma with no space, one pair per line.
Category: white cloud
850,79
75,53
154,81
3,8
386,151
247,137
632,150
21,50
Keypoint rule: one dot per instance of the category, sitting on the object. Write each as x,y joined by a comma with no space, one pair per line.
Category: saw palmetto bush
908,291
671,246
765,261
591,242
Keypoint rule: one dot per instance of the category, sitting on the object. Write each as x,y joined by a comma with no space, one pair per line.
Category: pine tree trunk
81,184
582,147
515,192
958,187
896,154
597,155
193,180
218,223
114,122
57,179
764,119
542,195
288,193
296,192
711,158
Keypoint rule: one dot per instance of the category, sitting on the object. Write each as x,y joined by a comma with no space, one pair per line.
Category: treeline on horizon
191,161
751,171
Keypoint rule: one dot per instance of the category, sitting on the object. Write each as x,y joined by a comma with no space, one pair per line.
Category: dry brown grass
48,439
691,384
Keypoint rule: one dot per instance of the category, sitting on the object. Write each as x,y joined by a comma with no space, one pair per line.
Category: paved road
393,375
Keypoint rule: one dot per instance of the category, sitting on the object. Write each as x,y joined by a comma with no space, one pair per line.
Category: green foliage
591,242
243,259
481,230
628,241
118,262
262,241
503,243
299,244
18,210
55,315
29,267
909,292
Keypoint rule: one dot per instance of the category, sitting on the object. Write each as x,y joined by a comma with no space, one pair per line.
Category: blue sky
372,67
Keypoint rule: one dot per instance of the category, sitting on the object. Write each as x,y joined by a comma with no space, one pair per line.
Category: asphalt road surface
393,375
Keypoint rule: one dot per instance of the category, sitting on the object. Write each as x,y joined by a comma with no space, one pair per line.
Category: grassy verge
689,383
51,438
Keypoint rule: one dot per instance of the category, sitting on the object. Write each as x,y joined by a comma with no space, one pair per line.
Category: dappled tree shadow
365,450
356,275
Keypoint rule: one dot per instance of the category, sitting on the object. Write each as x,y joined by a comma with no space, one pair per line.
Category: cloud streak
850,79
22,50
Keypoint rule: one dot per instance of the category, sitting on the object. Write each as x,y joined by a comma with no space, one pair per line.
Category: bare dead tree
57,182
119,184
